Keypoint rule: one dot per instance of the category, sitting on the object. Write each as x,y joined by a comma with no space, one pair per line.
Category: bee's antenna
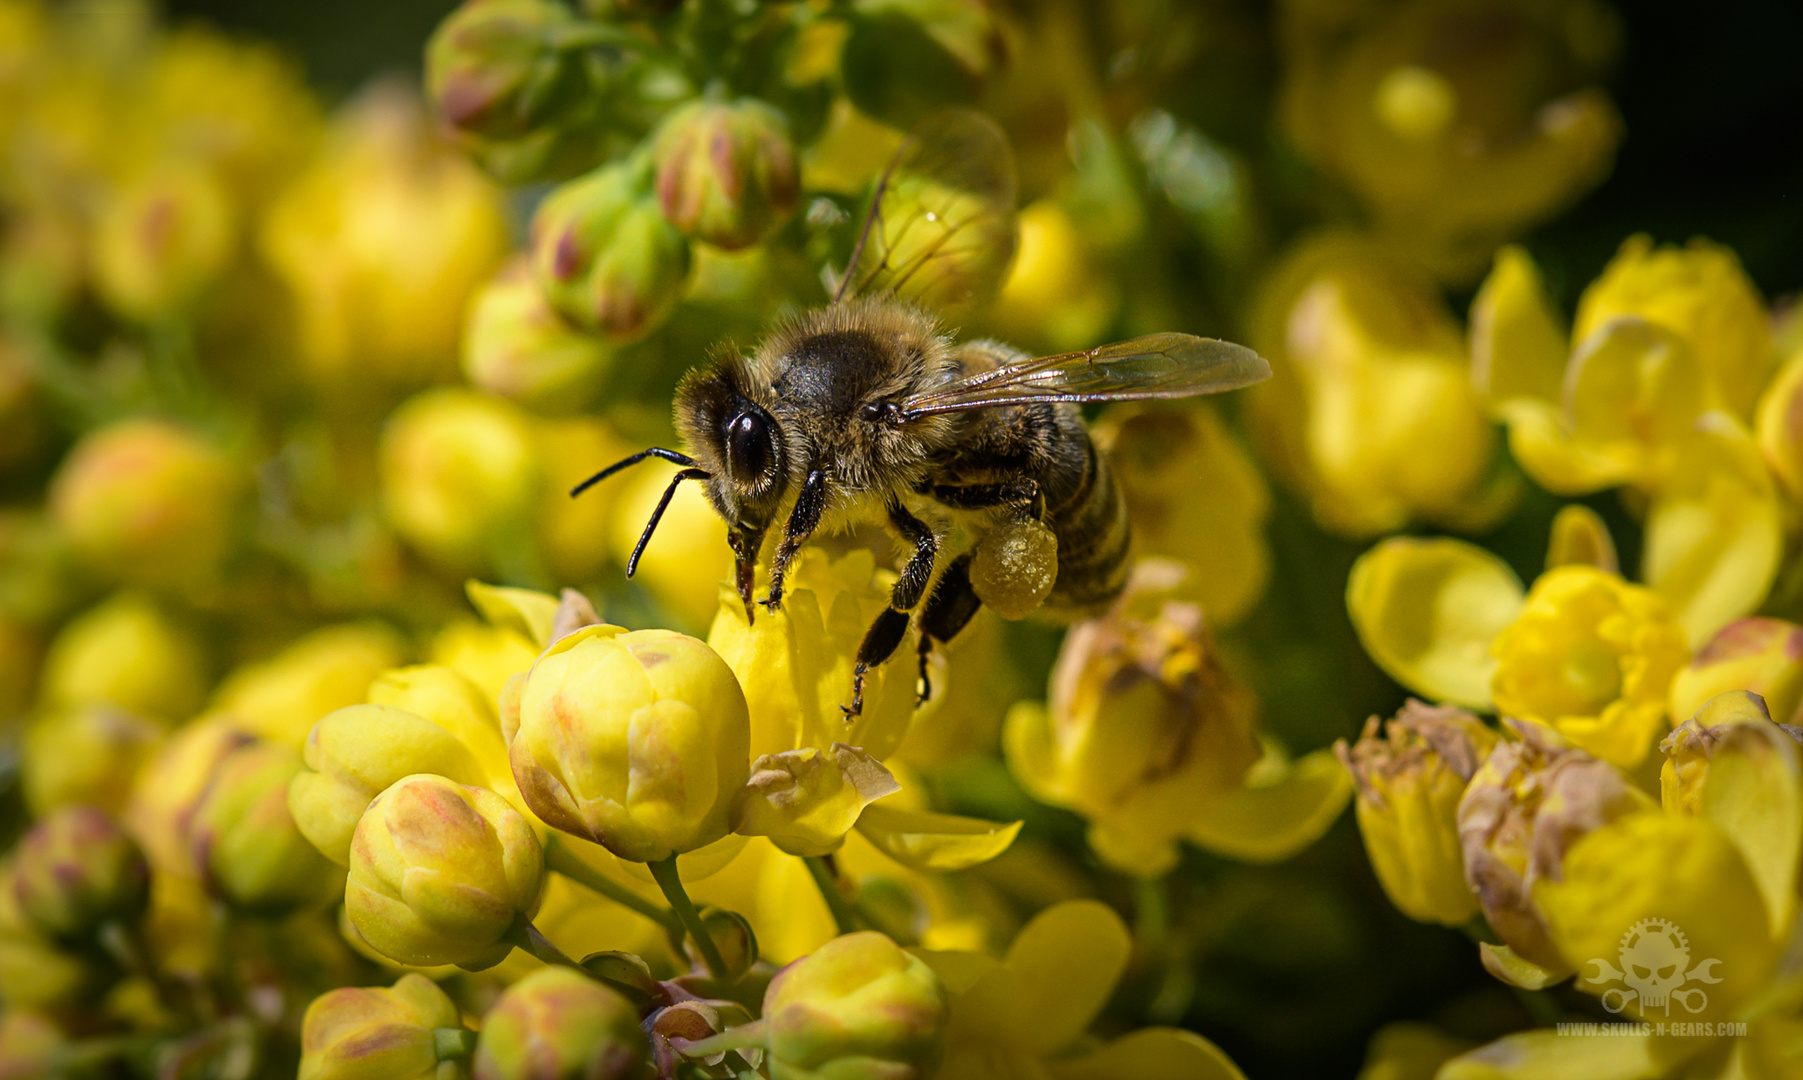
657,515
656,451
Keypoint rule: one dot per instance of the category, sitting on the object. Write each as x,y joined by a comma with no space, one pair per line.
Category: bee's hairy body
826,380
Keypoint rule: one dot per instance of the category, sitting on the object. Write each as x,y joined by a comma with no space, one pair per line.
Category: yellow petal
1542,445
1066,961
1273,817
1652,866
524,611
1714,530
926,841
1634,387
1502,962
1547,1055
1150,1054
1518,346
1754,794
1580,537
1427,611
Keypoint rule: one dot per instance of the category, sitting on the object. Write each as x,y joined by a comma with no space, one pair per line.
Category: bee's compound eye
749,449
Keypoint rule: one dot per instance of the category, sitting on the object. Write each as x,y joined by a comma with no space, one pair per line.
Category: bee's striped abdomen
1093,535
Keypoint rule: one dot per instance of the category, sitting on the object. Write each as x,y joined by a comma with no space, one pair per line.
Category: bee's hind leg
886,632
948,610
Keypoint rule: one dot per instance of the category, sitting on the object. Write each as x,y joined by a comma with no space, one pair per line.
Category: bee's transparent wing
1154,366
941,227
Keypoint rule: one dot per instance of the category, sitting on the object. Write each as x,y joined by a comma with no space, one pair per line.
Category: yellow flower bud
381,241
128,654
726,171
460,477
795,665
148,502
77,870
1013,565
806,800
356,753
1761,655
1410,782
34,973
514,345
1716,728
637,741
245,842
171,785
84,755
163,238
1522,811
1779,426
604,255
1591,657
1700,293
441,873
1145,727
495,68
559,1024
380,1033
280,698
857,1007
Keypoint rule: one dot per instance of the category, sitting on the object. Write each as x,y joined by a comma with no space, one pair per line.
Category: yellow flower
1764,656
1701,294
1030,1009
381,241
148,502
1409,784
162,239
85,755
282,697
560,1023
795,666
244,842
171,785
1148,736
1779,427
1682,913
1370,370
806,800
1583,653
380,1033
485,655
126,653
1521,812
442,873
450,700
1451,149
1158,454
461,477
636,741
1592,657
1634,404
516,346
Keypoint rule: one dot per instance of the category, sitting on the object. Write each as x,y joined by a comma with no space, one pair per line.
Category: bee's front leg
802,522
886,632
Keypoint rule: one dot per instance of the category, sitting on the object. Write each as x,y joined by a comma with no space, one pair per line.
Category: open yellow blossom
1640,399
1148,736
1370,374
1592,657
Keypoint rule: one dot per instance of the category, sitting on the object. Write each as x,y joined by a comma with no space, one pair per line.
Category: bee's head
740,444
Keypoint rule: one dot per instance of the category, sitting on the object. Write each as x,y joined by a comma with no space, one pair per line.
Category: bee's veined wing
941,227
1154,366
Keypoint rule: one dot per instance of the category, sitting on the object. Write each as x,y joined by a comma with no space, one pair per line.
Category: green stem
743,1037
451,1043
671,883
526,936
560,860
844,918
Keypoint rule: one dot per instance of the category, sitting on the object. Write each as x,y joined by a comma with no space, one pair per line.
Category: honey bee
868,408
